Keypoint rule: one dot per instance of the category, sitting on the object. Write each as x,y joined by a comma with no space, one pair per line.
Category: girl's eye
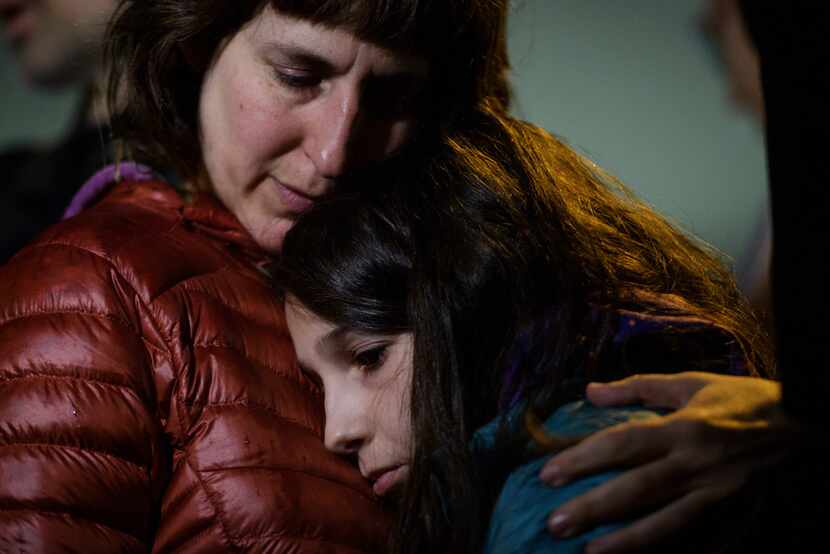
371,358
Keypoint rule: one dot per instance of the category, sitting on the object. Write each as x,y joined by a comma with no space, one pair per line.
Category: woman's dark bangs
400,25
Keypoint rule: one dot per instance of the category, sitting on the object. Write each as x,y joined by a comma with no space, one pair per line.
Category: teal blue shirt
518,522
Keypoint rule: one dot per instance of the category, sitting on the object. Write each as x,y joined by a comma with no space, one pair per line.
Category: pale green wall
633,85
629,83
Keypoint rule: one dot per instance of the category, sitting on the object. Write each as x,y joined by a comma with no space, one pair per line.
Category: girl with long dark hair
493,282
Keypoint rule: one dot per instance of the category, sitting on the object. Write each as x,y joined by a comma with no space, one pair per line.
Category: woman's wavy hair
159,50
505,223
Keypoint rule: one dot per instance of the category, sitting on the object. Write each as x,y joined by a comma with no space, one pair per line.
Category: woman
498,279
149,397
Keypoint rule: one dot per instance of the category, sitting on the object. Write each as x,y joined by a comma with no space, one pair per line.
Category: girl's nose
346,428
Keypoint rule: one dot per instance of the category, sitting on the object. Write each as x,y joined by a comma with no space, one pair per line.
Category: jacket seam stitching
290,470
183,544
247,539
180,500
141,467
76,516
149,368
186,285
299,538
184,282
215,505
35,374
79,311
168,353
111,263
252,405
279,372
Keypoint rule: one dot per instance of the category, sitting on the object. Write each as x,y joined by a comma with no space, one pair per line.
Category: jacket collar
201,209
206,212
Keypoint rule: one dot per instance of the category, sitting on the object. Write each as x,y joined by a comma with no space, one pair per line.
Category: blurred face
724,21
288,107
56,41
366,381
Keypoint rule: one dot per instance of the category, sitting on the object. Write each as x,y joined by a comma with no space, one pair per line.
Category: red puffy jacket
149,396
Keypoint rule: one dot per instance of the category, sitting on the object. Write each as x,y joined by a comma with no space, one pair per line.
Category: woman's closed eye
297,80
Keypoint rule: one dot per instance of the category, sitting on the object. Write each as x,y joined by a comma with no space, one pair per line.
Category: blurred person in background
724,25
56,44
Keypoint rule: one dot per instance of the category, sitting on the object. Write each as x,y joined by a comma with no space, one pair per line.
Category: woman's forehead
308,43
411,26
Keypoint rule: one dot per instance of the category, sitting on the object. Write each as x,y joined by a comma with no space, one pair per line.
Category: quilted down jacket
150,399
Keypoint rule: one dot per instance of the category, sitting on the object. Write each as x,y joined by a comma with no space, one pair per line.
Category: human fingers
664,391
656,527
625,444
653,484
686,466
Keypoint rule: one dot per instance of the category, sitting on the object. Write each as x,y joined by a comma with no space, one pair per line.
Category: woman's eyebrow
300,56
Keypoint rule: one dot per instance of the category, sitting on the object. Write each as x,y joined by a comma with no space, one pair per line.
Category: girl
496,281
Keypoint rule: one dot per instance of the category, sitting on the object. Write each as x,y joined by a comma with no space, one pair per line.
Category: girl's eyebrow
326,346
339,340
335,342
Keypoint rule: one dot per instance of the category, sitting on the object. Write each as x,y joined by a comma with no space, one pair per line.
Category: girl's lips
293,200
390,479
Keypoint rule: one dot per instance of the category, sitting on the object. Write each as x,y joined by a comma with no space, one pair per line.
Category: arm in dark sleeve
793,41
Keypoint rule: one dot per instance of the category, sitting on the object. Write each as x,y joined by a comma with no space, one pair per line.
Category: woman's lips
390,479
292,199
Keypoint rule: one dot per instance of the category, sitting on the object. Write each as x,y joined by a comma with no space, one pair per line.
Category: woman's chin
270,236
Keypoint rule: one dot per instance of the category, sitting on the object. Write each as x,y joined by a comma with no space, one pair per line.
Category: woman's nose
333,140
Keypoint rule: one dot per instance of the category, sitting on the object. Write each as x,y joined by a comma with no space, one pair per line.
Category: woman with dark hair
149,395
495,281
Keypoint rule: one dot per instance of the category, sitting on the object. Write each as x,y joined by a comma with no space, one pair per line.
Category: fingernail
550,473
560,524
